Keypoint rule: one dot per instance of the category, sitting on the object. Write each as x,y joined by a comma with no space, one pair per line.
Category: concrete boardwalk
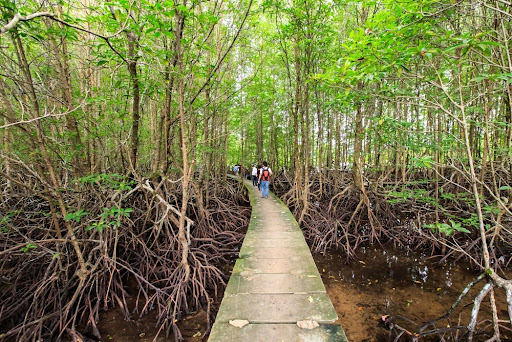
275,292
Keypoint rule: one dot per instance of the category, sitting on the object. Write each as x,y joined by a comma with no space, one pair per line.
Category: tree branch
48,115
18,17
219,62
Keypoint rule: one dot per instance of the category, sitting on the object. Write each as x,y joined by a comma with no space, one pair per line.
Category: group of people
261,177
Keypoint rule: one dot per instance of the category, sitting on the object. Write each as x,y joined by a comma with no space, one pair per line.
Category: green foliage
113,181
471,221
491,209
419,195
28,247
99,225
423,162
110,217
448,196
409,66
6,219
447,229
76,216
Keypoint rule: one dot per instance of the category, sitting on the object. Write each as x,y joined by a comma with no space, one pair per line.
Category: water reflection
394,268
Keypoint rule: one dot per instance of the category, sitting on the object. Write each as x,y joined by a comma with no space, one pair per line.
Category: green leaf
425,161
458,227
182,8
28,247
464,230
76,216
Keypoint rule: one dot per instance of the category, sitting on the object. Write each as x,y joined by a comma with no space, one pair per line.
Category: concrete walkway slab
297,267
299,250
259,242
263,308
275,235
277,333
275,284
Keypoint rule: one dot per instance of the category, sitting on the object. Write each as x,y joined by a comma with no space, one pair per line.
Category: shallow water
383,281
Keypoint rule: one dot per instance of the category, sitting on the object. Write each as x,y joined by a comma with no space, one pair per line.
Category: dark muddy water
383,281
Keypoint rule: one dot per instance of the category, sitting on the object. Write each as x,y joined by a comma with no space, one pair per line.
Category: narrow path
275,292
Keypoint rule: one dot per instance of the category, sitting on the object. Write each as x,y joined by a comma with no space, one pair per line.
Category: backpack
265,176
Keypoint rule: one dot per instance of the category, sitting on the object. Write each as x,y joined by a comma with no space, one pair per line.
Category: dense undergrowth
124,231
409,215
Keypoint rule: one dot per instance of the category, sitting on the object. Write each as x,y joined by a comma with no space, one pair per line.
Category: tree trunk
307,154
259,133
339,144
83,271
134,80
184,154
330,124
64,74
357,171
296,110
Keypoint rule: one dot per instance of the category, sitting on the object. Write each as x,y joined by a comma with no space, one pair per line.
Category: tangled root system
124,231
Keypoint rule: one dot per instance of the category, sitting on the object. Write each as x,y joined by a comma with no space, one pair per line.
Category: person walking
254,175
258,176
264,179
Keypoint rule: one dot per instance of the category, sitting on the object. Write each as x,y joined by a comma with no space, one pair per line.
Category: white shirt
254,171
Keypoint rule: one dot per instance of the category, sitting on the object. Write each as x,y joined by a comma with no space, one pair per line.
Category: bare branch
18,17
49,115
